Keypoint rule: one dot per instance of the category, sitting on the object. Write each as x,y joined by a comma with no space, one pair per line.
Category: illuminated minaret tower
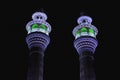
37,39
85,43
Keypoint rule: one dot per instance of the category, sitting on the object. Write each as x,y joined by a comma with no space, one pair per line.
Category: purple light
85,43
38,18
84,21
37,36
38,39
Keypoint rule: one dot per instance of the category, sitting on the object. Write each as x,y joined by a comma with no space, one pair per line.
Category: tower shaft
86,66
37,43
85,47
35,66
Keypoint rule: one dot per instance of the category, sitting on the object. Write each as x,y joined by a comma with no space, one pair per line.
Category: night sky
61,61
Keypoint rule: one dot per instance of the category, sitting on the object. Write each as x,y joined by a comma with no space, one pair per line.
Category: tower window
43,27
83,29
37,17
41,17
91,30
84,21
34,26
78,32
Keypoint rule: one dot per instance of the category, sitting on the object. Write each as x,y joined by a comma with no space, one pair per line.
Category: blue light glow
38,24
85,28
85,35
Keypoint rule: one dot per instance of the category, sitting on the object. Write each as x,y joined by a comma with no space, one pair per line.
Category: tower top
38,24
85,28
84,20
39,16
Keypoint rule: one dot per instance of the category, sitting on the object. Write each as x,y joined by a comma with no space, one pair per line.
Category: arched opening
91,32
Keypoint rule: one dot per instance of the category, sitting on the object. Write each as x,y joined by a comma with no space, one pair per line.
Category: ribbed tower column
37,40
85,43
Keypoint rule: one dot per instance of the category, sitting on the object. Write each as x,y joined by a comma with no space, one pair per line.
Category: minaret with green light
37,40
85,43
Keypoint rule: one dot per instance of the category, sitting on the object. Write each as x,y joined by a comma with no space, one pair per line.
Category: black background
61,59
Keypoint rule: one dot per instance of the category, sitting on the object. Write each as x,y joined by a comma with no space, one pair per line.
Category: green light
34,26
43,27
83,29
91,31
78,32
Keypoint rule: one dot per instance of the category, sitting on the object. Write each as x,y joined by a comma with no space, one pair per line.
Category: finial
39,16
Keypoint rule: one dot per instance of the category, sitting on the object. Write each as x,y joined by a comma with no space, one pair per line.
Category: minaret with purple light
85,43
37,40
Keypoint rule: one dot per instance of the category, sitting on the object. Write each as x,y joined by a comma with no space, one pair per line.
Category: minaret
85,43
37,39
